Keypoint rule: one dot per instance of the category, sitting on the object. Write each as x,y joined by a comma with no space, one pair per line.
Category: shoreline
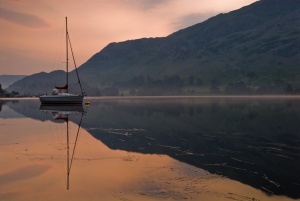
174,97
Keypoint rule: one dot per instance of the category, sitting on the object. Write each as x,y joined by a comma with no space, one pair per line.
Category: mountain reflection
253,141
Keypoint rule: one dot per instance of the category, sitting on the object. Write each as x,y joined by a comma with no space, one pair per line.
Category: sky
32,31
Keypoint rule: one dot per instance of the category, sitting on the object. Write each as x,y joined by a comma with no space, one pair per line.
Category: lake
151,148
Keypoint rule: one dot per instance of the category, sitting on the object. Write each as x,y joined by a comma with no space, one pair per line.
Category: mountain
6,80
37,83
254,49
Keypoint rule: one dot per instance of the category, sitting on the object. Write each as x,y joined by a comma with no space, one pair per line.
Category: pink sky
31,33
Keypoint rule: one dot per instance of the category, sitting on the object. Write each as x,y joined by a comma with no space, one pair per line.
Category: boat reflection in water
61,113
62,108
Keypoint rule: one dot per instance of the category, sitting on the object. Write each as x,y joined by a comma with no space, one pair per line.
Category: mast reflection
62,113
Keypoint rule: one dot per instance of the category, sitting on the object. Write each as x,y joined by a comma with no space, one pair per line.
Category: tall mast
67,56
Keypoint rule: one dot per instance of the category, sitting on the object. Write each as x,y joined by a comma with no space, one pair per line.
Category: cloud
24,19
146,4
192,19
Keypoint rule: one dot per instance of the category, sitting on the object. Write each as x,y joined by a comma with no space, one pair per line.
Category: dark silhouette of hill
6,80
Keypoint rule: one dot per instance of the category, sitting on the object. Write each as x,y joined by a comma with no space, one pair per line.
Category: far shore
175,97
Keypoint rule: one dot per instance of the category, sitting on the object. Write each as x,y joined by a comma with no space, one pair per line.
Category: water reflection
62,113
254,141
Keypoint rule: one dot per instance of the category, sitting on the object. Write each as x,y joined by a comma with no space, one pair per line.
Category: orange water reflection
33,166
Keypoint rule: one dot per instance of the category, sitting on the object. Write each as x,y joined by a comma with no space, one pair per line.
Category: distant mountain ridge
254,49
6,80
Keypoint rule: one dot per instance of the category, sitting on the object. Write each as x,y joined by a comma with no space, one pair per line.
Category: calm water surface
151,149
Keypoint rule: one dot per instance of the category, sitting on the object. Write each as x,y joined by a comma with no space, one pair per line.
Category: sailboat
61,95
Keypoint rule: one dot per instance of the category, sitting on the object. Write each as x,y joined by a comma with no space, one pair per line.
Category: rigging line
79,125
75,63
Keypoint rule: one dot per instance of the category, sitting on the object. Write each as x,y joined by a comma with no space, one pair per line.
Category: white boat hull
61,99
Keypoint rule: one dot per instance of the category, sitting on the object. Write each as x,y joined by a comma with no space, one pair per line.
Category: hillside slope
255,49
